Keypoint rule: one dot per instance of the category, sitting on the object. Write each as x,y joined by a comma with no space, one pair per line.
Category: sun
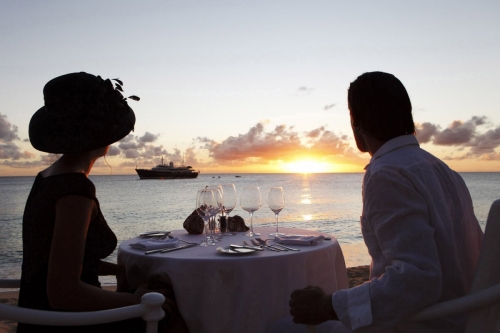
307,166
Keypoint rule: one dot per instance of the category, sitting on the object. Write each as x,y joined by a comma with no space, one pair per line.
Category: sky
256,86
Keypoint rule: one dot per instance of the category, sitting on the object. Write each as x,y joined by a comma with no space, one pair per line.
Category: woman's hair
380,105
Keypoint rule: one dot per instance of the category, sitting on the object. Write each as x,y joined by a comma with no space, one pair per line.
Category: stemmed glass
251,200
216,209
276,201
229,202
205,202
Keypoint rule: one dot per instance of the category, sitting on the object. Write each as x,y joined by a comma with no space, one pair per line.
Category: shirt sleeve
395,216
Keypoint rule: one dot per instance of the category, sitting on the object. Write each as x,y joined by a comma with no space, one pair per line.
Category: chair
150,310
482,305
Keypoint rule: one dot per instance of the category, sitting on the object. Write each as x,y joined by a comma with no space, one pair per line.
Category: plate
229,250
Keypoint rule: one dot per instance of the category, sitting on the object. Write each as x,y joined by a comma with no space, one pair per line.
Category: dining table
237,292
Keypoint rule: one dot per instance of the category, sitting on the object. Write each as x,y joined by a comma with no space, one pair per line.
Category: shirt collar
394,143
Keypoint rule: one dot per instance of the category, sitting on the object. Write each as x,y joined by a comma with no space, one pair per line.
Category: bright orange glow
308,166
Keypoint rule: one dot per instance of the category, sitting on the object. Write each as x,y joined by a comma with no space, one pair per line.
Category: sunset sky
256,86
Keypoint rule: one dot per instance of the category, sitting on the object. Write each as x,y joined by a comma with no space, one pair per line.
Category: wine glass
276,201
229,202
216,209
251,200
202,210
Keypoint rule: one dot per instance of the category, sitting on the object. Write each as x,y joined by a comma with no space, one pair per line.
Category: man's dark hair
380,105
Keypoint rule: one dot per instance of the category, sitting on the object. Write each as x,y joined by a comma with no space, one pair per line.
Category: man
417,222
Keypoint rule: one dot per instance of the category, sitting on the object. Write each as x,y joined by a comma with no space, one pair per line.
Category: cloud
464,135
44,161
483,145
148,137
425,131
315,133
458,132
281,143
305,90
256,143
8,134
142,151
113,151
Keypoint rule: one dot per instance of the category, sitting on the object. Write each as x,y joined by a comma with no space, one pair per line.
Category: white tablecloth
237,293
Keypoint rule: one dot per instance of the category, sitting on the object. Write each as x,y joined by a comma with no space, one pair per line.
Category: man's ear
355,127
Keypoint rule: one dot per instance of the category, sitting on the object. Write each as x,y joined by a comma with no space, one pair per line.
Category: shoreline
356,275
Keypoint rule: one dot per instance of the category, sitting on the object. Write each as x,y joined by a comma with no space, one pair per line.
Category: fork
170,236
264,242
266,246
253,246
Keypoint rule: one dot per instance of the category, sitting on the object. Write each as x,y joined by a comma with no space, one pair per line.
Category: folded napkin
153,244
299,239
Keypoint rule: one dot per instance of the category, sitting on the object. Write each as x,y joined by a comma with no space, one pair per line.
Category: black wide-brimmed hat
82,112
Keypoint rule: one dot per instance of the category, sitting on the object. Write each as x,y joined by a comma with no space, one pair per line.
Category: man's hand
311,306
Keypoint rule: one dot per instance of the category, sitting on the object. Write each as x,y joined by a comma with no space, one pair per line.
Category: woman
65,236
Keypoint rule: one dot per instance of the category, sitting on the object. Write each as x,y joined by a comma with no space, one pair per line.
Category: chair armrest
463,304
150,310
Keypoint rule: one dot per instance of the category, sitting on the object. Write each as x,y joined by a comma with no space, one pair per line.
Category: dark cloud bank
261,145
464,135
9,151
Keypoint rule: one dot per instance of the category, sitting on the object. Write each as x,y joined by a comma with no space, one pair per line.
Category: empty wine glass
251,200
202,197
276,201
229,202
216,209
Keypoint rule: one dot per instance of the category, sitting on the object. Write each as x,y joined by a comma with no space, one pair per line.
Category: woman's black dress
38,226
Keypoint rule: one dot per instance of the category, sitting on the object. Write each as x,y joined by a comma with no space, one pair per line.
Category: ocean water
329,203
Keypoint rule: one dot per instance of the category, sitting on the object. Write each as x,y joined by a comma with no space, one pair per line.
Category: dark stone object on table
237,224
194,224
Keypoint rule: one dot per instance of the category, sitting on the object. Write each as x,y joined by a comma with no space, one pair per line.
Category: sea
329,203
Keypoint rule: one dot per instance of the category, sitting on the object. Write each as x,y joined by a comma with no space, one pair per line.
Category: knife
247,247
167,249
286,247
153,233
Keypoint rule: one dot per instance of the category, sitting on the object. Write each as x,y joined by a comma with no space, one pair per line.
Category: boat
167,171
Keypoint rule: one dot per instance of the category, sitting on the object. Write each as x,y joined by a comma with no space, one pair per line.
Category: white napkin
153,244
299,239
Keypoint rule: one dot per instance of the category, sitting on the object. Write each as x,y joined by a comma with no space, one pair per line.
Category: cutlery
154,234
266,246
258,248
170,236
325,237
179,248
274,246
168,249
263,241
286,247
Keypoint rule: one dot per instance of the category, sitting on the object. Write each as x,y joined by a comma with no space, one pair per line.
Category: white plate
229,250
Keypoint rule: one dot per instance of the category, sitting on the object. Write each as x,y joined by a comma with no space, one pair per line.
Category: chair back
487,274
482,304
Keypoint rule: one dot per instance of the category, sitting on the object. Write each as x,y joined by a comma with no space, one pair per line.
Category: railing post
152,303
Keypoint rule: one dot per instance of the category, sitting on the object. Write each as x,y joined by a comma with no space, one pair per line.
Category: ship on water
167,171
